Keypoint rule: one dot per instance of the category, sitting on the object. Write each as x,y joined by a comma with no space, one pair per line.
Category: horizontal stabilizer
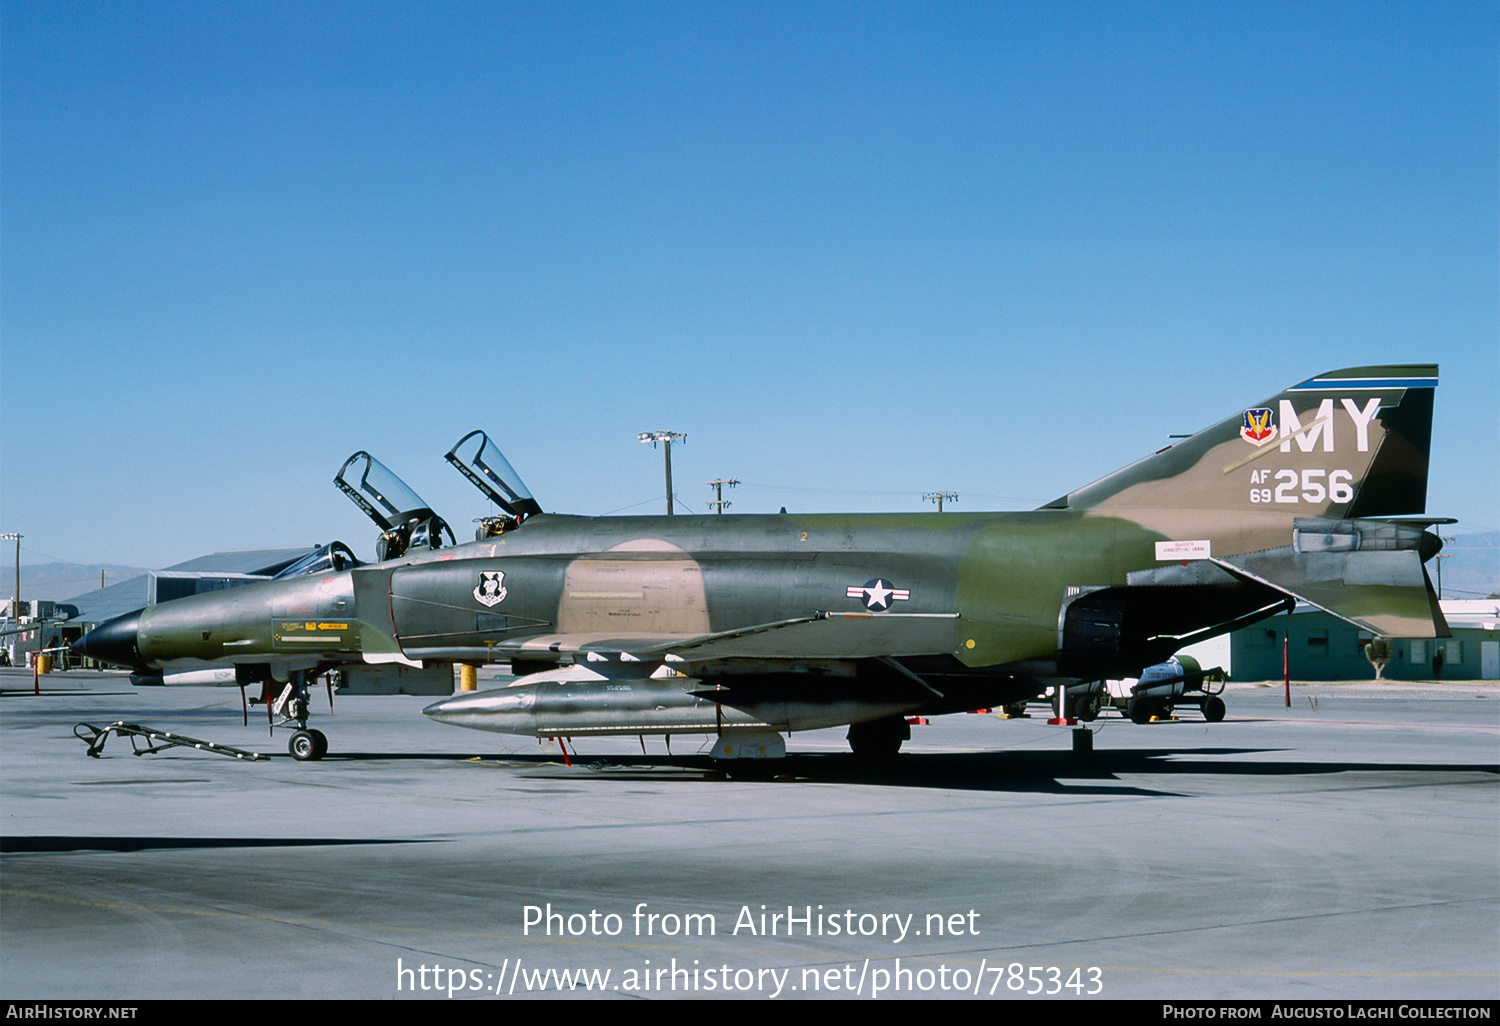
1384,592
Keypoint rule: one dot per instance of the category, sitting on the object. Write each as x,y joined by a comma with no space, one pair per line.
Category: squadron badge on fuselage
491,588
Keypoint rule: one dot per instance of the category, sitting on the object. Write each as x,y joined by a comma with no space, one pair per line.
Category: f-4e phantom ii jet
747,627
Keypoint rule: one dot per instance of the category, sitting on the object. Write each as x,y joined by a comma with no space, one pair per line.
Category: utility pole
1438,559
938,498
15,608
664,437
718,487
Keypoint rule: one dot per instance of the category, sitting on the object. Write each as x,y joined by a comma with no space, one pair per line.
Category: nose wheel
292,706
308,745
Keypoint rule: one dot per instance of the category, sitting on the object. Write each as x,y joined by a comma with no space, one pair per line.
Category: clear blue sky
857,252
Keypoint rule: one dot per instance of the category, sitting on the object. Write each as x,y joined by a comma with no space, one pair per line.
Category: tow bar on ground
157,740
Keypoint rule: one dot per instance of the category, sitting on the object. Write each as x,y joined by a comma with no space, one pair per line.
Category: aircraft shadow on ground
1022,772
46,694
77,842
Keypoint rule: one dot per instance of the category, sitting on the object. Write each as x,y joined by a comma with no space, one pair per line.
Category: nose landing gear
292,705
308,745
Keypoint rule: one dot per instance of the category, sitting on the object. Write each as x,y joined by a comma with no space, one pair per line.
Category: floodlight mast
664,437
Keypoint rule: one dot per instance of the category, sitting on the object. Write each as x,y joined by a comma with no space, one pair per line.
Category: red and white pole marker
1286,667
1060,720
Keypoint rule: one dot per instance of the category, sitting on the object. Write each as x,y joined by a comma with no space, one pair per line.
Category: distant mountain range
59,581
1470,565
1470,569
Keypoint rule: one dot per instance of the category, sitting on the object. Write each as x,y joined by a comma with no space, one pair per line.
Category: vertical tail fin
1349,443
1339,462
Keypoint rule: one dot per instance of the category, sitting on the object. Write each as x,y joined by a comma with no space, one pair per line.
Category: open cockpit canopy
486,467
405,521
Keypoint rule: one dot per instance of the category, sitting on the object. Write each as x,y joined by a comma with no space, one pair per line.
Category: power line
633,505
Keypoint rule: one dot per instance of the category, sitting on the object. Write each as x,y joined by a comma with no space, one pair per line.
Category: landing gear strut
292,705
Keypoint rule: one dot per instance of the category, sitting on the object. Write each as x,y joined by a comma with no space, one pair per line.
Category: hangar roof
264,562
131,594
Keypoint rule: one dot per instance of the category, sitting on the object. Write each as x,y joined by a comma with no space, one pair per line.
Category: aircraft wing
816,636
650,648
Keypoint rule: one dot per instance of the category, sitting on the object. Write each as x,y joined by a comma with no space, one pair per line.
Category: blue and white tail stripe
1365,384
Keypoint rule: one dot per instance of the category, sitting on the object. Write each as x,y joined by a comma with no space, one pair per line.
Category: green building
1322,647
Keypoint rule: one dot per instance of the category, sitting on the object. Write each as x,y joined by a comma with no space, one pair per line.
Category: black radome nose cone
113,641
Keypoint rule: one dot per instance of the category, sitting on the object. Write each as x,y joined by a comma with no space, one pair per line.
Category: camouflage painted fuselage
1316,494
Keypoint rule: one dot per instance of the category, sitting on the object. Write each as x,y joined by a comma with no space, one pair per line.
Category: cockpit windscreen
334,556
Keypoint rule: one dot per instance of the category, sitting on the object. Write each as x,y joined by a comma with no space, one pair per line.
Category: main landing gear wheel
1141,710
308,745
752,769
1214,709
878,741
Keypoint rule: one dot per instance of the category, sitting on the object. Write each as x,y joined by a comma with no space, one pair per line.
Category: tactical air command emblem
1258,427
878,594
491,588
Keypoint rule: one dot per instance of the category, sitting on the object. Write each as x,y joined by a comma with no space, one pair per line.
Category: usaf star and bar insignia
877,595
